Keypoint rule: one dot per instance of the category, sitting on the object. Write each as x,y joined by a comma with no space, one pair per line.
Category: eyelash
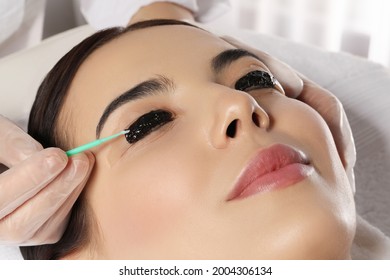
255,80
146,124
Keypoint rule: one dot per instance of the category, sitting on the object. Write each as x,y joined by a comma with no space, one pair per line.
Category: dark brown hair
43,127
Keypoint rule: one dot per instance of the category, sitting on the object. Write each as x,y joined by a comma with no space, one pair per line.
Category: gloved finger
287,77
15,144
26,179
52,230
332,111
49,208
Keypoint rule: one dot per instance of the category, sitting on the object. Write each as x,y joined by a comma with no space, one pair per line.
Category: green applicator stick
93,144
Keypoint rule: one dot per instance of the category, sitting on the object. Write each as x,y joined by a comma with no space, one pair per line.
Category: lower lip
284,177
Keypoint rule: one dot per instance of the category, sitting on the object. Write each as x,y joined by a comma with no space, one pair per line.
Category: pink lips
273,168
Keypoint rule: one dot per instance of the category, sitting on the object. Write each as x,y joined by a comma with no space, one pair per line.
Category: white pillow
23,72
362,86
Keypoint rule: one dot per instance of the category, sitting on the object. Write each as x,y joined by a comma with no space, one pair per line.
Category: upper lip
266,161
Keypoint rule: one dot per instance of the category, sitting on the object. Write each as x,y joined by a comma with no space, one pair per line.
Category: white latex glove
38,190
320,99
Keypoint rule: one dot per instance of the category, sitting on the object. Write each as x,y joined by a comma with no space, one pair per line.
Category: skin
164,10
164,197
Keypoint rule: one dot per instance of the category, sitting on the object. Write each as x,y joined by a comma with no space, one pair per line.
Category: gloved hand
39,188
320,99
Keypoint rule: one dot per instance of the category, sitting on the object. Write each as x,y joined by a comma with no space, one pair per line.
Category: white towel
369,243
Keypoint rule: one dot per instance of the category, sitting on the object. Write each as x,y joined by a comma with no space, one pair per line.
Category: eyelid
258,64
255,79
250,64
144,112
267,78
147,124
122,148
241,68
125,147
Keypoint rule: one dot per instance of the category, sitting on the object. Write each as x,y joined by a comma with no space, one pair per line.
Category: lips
276,167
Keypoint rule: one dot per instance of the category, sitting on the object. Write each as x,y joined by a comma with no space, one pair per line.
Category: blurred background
360,27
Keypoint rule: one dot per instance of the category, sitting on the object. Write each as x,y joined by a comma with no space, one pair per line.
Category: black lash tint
255,80
146,124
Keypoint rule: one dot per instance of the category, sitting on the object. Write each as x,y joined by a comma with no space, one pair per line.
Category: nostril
256,119
232,129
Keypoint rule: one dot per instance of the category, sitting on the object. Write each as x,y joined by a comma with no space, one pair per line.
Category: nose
236,113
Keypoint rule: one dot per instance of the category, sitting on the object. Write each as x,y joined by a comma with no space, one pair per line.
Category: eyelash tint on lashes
255,80
146,124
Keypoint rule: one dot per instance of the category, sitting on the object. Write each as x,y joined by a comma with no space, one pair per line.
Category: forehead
182,53
155,49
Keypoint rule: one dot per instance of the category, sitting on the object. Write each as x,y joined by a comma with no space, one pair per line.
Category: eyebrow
146,88
225,58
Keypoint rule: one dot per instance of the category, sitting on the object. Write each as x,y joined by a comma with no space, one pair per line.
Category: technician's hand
320,99
39,188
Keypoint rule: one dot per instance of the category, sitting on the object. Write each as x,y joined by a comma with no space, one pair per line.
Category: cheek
325,200
152,192
294,120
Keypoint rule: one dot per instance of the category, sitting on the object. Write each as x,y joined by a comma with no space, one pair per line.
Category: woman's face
213,172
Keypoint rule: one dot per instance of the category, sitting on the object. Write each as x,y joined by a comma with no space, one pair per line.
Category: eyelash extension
255,80
146,124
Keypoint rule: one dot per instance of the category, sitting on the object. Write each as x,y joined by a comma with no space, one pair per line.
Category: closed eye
147,124
255,80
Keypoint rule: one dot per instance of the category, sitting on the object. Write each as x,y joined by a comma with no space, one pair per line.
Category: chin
324,236
316,226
